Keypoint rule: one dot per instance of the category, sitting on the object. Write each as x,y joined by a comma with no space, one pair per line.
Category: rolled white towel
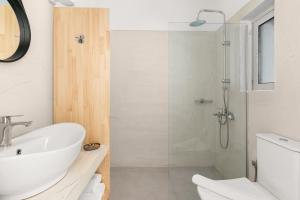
96,195
98,177
100,190
102,186
88,197
93,184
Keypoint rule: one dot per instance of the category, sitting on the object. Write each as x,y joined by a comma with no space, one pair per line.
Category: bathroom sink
38,160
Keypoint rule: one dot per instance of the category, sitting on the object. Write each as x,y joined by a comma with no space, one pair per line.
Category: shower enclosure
207,104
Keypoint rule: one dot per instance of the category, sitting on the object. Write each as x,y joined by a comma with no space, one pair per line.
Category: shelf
77,178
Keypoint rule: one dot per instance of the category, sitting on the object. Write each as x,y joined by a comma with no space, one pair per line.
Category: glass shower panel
197,86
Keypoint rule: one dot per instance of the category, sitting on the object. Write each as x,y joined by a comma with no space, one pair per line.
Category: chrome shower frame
225,42
224,115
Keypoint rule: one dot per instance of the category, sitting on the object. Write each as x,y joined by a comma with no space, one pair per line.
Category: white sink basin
45,156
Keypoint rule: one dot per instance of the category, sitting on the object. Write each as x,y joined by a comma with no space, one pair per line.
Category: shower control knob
230,116
218,114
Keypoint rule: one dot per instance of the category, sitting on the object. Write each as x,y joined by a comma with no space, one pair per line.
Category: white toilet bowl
234,189
278,174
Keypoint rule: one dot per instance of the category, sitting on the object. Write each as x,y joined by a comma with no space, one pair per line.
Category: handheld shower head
63,2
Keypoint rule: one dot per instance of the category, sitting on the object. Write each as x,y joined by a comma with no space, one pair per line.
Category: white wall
139,98
278,111
26,85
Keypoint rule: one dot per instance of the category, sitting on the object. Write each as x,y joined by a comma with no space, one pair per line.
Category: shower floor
131,183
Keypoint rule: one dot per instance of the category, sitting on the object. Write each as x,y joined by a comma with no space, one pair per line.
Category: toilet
278,172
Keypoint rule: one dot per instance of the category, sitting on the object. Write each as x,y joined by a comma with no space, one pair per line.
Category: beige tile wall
279,110
141,80
139,98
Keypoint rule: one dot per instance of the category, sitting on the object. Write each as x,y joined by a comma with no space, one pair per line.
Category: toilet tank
278,161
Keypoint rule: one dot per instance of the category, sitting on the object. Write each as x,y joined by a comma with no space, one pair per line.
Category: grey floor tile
139,184
157,183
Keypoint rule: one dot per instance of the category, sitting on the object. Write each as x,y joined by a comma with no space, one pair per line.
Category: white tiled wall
156,78
278,111
139,98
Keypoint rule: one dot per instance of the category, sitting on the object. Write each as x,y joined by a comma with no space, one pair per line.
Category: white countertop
78,176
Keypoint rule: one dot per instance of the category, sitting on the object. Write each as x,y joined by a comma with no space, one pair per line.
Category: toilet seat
234,189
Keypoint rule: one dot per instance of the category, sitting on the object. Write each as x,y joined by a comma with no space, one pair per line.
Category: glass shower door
196,87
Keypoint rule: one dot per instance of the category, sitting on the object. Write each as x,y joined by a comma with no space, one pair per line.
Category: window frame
265,17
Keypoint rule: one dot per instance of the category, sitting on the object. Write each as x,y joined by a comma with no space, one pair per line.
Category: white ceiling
156,14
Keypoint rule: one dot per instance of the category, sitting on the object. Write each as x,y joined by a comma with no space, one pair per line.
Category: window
264,68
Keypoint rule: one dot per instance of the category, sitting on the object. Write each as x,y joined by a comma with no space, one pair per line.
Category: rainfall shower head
63,2
197,23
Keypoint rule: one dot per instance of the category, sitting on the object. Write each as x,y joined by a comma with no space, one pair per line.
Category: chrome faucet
6,126
224,116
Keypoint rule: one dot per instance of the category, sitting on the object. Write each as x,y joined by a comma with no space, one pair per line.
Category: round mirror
9,30
14,30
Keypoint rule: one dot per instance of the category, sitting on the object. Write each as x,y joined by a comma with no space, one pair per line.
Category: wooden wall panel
81,74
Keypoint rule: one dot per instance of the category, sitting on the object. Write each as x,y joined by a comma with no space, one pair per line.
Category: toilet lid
235,189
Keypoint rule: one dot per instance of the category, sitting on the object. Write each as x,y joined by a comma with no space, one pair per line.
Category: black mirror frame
25,32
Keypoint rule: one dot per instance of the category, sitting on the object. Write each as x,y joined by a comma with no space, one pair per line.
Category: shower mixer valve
224,113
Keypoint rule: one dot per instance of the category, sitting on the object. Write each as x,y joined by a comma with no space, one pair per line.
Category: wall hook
80,39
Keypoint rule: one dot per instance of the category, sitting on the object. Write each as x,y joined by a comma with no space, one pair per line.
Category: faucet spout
26,124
